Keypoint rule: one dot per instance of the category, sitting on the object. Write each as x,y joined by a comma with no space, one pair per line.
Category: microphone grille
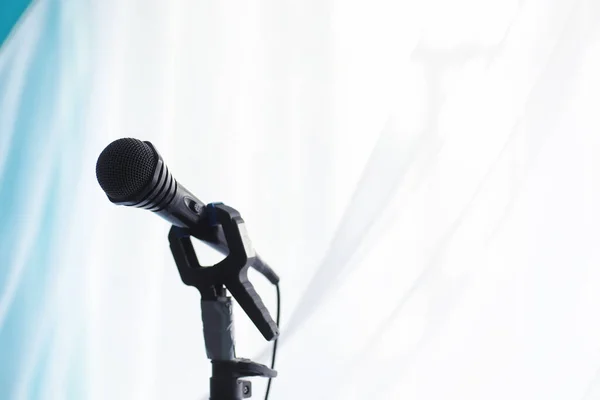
125,167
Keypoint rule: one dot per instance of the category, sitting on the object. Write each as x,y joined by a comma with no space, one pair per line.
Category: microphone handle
184,209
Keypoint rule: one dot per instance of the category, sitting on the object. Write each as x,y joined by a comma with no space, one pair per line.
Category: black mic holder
217,317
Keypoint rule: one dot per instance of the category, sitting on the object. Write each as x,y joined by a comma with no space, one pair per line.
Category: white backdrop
422,174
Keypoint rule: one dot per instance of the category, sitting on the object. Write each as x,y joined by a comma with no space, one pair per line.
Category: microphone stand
216,305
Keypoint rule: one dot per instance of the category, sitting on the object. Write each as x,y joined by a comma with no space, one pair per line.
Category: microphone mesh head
125,167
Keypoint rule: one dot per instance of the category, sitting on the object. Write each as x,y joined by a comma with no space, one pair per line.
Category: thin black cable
276,340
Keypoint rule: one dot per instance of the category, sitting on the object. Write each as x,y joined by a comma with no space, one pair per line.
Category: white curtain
422,174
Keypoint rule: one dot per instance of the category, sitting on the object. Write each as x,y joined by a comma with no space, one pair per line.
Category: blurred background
423,175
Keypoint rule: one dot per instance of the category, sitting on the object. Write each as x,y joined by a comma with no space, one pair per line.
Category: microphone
132,173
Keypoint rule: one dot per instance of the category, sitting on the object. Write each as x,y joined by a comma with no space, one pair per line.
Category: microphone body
133,173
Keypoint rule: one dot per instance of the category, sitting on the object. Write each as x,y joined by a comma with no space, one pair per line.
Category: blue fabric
42,158
10,12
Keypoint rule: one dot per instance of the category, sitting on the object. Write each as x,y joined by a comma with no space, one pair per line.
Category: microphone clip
231,272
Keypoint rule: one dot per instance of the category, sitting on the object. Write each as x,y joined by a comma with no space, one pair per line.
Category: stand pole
227,386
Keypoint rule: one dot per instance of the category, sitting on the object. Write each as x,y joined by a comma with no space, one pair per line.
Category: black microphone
132,173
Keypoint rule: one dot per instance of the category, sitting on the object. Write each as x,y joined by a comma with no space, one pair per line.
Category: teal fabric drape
10,12
41,103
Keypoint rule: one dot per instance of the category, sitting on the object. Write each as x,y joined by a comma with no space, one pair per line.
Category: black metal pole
225,385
